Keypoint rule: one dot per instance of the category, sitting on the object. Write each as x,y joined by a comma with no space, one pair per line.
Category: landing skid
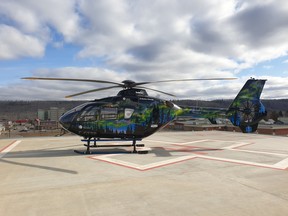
95,145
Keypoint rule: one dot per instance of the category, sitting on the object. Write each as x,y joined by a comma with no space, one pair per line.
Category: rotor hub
129,84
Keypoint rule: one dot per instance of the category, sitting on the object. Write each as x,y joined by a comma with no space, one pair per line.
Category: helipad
184,173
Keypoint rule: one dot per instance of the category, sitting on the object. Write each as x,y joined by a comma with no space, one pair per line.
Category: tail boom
245,111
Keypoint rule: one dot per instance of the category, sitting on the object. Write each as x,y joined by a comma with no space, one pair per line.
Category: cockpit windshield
76,109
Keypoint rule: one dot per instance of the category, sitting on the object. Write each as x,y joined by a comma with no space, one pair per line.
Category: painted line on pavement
243,162
184,147
8,148
282,164
109,159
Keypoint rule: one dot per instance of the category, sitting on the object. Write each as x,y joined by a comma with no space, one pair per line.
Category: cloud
240,30
57,90
147,40
15,44
261,24
41,19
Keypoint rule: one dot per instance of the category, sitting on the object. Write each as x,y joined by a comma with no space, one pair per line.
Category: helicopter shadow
55,169
55,152
157,151
160,152
166,152
40,153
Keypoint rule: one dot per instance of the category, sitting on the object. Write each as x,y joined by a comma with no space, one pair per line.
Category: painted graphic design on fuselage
125,117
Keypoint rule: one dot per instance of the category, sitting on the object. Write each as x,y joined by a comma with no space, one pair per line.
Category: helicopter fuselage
130,114
133,115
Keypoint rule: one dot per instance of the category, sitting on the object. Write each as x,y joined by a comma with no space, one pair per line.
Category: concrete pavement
184,173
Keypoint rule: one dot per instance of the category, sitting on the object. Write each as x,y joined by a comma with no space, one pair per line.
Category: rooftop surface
184,173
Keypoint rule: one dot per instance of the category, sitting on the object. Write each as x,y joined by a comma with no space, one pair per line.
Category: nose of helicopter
66,119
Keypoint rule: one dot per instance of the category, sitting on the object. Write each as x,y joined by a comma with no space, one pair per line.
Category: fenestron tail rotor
126,84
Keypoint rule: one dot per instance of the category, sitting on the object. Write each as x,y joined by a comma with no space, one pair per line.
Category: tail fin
247,110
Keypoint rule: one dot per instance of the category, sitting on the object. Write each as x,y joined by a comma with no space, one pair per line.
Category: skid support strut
134,145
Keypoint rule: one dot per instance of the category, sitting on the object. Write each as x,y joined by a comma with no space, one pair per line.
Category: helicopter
132,114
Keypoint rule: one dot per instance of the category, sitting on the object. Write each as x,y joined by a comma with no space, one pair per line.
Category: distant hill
13,110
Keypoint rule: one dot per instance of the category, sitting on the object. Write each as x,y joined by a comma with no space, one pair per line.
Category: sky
142,40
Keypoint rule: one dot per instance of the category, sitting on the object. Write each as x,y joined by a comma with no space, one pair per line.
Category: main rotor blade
93,90
159,91
68,79
181,80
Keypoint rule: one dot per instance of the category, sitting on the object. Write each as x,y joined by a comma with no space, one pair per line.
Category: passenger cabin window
89,113
128,113
107,113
